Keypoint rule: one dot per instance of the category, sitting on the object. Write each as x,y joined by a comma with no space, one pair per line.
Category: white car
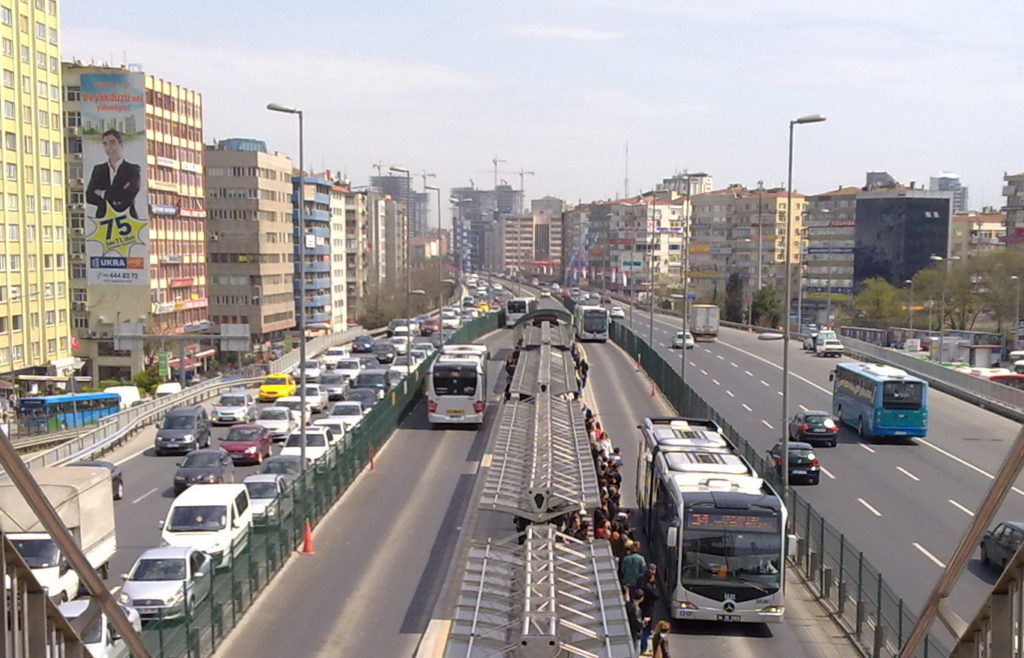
683,339
830,347
100,638
450,319
333,355
234,407
350,412
312,370
617,313
163,578
279,421
318,441
319,396
294,402
401,343
335,384
337,426
404,364
349,368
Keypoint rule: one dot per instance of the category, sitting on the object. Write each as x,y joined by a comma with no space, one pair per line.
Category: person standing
633,615
648,586
633,565
660,648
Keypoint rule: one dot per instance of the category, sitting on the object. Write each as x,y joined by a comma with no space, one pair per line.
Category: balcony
318,300
318,266
318,231
313,215
318,284
318,317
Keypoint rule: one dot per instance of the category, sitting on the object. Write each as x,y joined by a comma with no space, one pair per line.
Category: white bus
517,307
717,531
591,322
457,388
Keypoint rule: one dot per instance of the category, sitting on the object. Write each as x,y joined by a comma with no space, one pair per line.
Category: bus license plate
456,412
728,617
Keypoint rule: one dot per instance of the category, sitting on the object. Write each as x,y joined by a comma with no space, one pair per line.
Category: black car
363,344
367,396
209,466
385,352
1000,544
116,478
290,466
814,426
803,463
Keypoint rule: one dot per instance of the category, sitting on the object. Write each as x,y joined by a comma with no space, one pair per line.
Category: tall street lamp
408,238
1016,315
810,118
408,345
910,282
942,307
300,199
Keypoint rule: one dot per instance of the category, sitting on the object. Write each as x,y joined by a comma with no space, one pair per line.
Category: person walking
633,616
660,647
648,586
633,565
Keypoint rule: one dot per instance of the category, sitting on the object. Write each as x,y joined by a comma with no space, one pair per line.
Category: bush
147,380
107,383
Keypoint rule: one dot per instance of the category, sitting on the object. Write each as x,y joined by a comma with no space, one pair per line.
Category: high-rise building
397,187
321,292
250,238
339,252
829,252
547,220
949,182
1013,190
34,295
476,211
357,251
698,184
138,212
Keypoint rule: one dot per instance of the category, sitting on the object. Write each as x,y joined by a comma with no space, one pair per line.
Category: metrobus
517,307
457,388
50,413
591,322
717,530
879,400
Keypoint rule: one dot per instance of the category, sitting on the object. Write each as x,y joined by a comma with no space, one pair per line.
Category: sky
560,87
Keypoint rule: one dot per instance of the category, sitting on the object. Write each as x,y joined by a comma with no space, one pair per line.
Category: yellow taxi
484,307
277,386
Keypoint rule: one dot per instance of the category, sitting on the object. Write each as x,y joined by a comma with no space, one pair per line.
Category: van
214,518
183,430
130,395
170,388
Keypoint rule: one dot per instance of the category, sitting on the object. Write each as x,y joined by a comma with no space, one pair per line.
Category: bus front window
720,558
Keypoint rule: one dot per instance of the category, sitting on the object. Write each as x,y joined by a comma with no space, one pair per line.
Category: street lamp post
408,238
1016,315
299,196
911,283
811,118
942,306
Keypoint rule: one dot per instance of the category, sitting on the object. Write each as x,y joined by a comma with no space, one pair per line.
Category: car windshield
313,440
37,553
818,419
275,381
244,434
233,400
347,409
294,405
311,364
282,466
365,397
158,569
198,518
902,395
275,414
332,378
261,489
179,422
403,361
372,380
348,364
384,347
201,459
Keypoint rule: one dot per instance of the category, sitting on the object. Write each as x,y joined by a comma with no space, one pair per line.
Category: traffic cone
307,541
653,394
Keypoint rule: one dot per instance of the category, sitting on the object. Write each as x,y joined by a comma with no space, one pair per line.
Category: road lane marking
707,350
720,357
908,474
962,461
693,364
730,393
131,456
764,383
747,408
486,461
749,374
960,507
733,364
767,424
115,589
779,392
704,372
716,382
826,472
942,565
868,505
663,344
803,408
866,447
153,490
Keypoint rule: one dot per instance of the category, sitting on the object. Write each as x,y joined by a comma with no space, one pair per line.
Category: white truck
83,500
704,322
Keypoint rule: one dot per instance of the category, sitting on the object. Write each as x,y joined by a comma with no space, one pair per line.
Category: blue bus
879,400
51,413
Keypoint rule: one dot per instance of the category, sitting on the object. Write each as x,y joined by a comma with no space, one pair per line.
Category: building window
73,94
9,110
12,171
41,60
26,55
13,233
9,79
51,318
6,17
11,141
28,143
17,324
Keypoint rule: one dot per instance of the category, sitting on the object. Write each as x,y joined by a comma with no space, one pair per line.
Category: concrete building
547,221
35,298
946,181
476,211
315,293
515,245
251,238
678,183
339,257
829,241
976,233
397,187
357,251
1013,190
156,282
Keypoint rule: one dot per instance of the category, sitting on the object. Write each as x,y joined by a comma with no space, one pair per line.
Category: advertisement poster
114,160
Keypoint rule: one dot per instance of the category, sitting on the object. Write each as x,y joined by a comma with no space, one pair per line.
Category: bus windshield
902,395
738,548
454,380
595,321
516,306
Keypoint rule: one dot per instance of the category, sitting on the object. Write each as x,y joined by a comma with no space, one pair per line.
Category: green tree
733,311
767,308
879,303
147,380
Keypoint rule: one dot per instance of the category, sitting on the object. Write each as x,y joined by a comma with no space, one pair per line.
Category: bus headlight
686,605
771,610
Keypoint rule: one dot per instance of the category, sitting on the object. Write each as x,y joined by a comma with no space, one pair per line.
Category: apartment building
339,249
1013,190
977,232
829,252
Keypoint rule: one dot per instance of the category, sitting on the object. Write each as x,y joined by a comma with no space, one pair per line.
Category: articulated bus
591,322
457,386
517,307
717,531
879,400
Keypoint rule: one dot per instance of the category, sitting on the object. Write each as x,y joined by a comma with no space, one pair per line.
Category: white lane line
486,461
866,447
868,505
749,374
115,589
693,364
716,382
803,408
153,490
764,383
707,350
720,357
733,364
132,456
779,392
704,372
908,474
961,461
662,344
730,393
961,507
747,408
767,424
940,563
826,472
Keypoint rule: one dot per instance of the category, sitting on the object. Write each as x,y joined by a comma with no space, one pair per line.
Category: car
290,466
183,429
401,343
279,421
468,301
830,347
385,352
338,427
430,326
349,368
470,313
248,443
368,397
813,426
317,397
395,324
318,441
803,463
166,582
450,319
334,383
332,356
545,293
368,361
1000,544
267,496
295,404
376,379
809,342
311,369
234,407
420,354
617,313
683,339
277,386
350,412
101,640
363,344
427,345
404,363
206,466
116,477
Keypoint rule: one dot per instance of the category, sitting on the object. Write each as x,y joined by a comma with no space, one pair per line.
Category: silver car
279,421
167,582
234,407
267,496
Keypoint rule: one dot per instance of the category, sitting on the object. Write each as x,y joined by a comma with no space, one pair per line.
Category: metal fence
200,626
845,582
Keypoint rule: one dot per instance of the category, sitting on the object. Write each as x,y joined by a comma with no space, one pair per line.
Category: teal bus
879,400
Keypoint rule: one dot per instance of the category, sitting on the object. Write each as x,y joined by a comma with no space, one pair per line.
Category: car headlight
271,510
188,437
250,449
178,596
125,598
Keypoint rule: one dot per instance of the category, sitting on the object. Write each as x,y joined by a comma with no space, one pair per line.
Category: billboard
114,158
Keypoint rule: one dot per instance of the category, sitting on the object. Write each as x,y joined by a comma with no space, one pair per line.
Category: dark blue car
363,344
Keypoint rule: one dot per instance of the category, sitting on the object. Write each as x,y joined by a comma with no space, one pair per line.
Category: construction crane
495,160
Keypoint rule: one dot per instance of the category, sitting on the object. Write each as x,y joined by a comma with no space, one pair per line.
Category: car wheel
985,559
832,443
119,491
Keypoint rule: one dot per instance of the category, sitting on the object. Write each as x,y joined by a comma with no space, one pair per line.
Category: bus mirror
791,546
832,376
671,537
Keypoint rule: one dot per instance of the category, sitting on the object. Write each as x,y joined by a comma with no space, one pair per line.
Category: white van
169,388
130,395
214,518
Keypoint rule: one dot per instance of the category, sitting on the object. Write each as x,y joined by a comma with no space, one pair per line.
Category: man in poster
115,181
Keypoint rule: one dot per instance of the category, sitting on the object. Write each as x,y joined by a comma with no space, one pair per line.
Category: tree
147,380
880,303
733,310
767,308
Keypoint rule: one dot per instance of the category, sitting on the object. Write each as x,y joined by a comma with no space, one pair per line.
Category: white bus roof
880,371
678,432
702,482
479,350
706,461
458,359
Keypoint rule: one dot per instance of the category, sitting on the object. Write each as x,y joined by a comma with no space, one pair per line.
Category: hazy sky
559,87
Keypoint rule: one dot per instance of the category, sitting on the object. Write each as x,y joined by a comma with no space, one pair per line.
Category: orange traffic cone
307,541
653,394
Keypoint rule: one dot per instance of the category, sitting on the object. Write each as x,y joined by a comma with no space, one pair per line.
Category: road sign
165,364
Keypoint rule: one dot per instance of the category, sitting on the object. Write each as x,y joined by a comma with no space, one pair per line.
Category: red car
247,443
430,327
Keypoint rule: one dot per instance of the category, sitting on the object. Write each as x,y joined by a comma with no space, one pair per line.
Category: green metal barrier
199,627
